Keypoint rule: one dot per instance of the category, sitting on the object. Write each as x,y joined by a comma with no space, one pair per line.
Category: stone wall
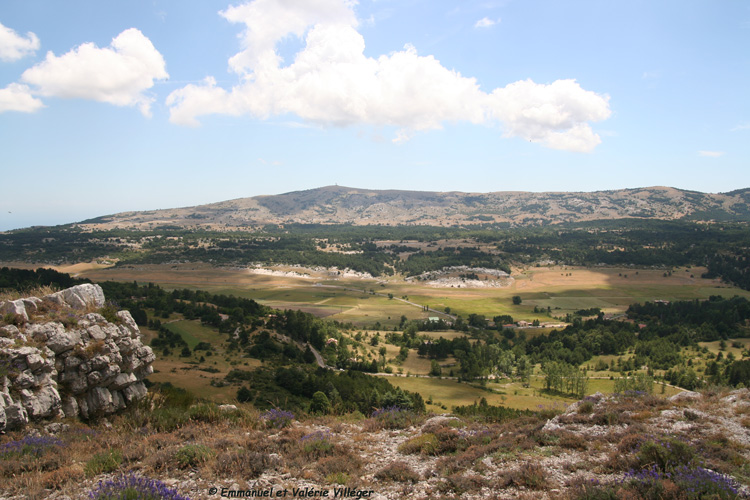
59,360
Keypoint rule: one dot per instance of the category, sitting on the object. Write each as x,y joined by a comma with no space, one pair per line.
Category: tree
517,300
320,404
244,395
435,369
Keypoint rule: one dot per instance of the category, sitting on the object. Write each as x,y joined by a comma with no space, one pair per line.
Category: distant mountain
344,205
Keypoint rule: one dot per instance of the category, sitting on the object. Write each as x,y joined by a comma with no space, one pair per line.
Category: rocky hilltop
344,205
60,357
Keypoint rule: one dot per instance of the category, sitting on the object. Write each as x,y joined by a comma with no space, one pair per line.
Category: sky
110,106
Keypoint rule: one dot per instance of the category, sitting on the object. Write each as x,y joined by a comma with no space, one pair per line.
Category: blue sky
113,106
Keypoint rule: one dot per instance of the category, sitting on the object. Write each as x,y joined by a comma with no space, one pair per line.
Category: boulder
16,307
80,296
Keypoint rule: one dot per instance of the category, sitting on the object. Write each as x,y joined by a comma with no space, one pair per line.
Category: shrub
666,455
106,461
317,444
134,488
109,311
192,455
29,445
276,418
399,472
393,417
425,444
249,464
683,482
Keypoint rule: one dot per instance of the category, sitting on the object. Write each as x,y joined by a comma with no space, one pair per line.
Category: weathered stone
100,364
94,318
70,407
96,332
135,392
35,361
122,381
63,341
42,403
81,296
99,401
15,416
128,321
16,307
24,379
685,396
32,304
12,332
118,400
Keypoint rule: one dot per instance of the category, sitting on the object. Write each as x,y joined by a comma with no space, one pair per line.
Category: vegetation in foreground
630,445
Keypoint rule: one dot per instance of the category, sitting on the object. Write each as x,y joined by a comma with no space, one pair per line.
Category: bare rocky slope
343,205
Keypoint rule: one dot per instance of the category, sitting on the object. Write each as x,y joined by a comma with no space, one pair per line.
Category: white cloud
119,74
14,46
711,154
332,82
486,22
17,97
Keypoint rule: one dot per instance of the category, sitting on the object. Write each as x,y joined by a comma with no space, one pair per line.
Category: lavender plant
277,418
393,417
133,487
29,445
317,443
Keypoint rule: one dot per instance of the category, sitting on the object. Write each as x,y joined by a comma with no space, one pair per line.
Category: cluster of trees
192,304
294,387
715,318
565,378
425,261
27,279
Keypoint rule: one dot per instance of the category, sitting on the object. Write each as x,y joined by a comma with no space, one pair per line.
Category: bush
399,472
666,455
192,455
134,488
317,444
106,461
425,444
277,419
393,417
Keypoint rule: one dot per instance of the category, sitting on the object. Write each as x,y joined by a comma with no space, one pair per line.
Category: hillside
343,205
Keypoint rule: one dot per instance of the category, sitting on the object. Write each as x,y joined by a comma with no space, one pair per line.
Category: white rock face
79,296
90,369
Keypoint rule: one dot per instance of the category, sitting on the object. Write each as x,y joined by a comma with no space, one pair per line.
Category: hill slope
343,205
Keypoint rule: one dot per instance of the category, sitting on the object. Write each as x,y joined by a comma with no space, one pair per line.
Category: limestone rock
685,396
98,365
16,307
80,296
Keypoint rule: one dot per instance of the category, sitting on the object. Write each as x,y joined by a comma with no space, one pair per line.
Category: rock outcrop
59,358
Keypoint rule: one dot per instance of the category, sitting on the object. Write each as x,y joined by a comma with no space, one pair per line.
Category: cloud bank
332,82
119,74
14,46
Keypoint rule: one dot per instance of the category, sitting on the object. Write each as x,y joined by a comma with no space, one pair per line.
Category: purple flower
133,487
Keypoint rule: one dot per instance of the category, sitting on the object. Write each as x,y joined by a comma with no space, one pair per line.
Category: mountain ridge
356,206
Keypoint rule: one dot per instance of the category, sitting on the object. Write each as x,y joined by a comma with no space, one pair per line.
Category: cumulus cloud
17,97
119,74
14,46
331,82
486,22
711,154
